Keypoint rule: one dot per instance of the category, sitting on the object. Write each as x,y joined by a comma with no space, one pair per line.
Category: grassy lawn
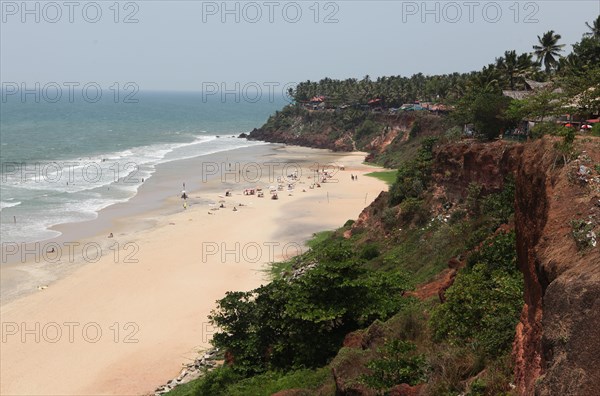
387,176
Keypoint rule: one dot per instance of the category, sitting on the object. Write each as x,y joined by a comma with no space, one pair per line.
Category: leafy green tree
487,113
585,56
583,91
302,322
538,106
548,49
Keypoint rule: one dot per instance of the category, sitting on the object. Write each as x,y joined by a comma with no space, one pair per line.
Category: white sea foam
55,195
4,204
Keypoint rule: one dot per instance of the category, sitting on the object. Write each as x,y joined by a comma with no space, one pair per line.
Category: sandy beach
125,321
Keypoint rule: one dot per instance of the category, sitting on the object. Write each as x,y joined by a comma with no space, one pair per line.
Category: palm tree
485,80
548,50
595,29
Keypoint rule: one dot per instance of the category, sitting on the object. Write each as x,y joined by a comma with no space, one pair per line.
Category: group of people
294,176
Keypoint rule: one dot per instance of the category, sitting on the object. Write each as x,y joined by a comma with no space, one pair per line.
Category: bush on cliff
483,305
302,322
546,128
413,176
398,364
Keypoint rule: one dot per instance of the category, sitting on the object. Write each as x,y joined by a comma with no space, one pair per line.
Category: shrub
501,206
583,233
415,128
457,215
369,252
398,364
473,198
367,128
483,305
546,128
413,210
453,134
388,218
216,381
450,367
301,323
413,176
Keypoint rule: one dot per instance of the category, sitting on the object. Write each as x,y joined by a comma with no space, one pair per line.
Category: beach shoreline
125,323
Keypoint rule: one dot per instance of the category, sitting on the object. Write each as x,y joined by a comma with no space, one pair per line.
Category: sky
200,45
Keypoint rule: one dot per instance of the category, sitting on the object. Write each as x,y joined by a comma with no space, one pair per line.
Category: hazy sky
185,45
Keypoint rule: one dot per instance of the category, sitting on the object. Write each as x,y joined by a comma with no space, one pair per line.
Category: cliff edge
557,215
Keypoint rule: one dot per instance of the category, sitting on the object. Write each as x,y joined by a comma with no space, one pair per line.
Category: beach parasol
586,127
593,121
568,125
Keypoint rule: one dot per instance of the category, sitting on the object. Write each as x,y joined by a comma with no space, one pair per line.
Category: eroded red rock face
557,344
530,217
406,390
556,349
487,164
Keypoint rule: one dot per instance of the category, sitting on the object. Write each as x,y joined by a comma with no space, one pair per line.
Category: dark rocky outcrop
324,129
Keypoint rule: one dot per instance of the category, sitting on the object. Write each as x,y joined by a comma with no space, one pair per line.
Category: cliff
557,343
382,135
556,349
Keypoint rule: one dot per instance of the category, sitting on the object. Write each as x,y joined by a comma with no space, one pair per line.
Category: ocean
63,162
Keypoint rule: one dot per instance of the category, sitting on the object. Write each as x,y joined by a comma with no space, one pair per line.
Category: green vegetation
367,128
583,233
301,323
319,237
564,85
413,176
398,364
486,110
224,381
483,305
387,176
289,333
547,128
279,335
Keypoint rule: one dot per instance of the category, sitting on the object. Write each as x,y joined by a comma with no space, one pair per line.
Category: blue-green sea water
62,162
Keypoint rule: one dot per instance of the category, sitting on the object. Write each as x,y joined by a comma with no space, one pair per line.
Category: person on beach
184,204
